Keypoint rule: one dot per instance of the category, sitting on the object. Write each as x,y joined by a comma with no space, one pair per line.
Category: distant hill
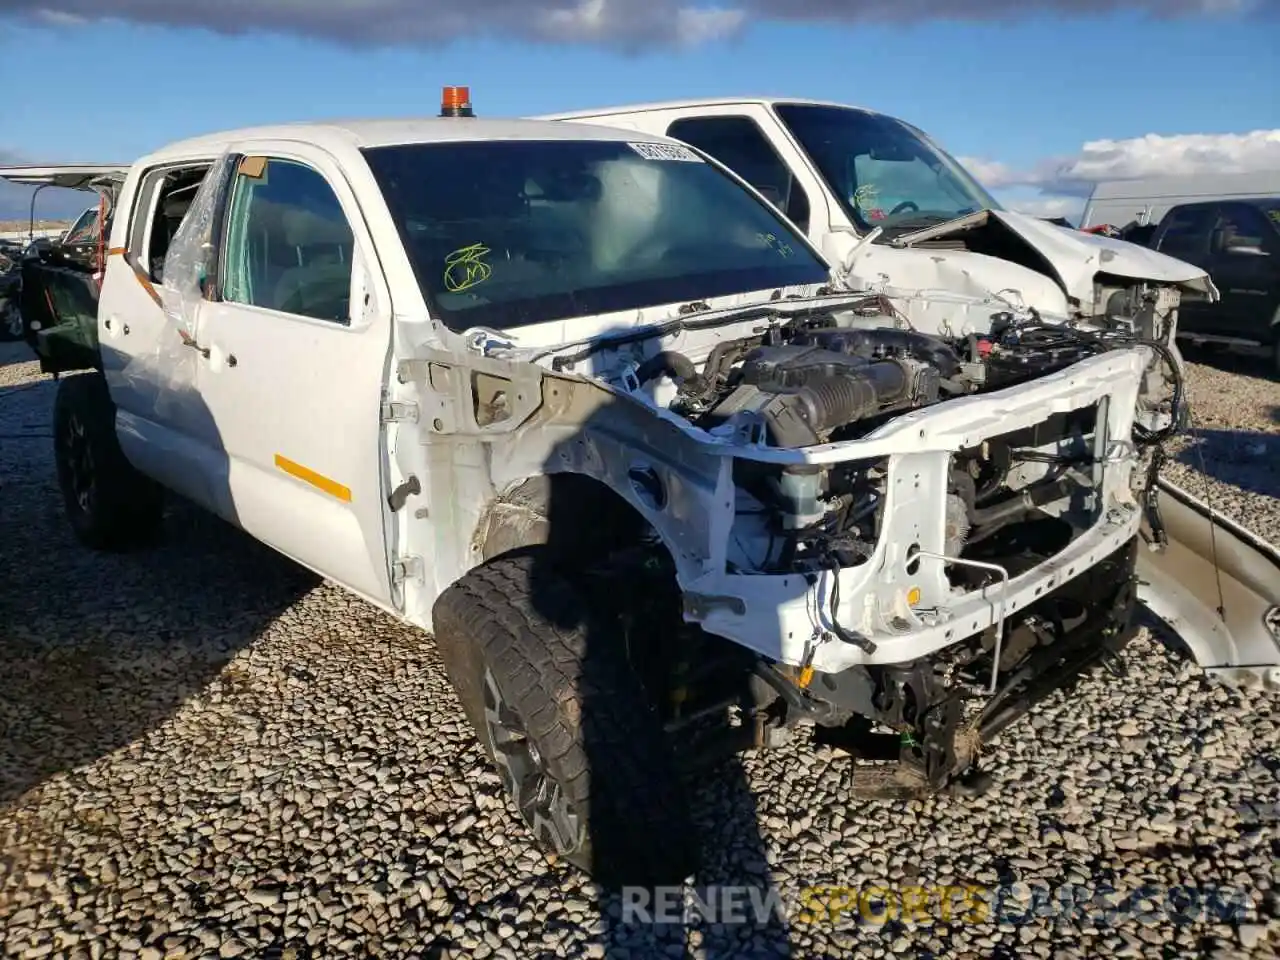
23,224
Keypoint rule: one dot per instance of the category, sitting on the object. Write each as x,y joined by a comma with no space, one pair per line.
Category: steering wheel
323,292
902,207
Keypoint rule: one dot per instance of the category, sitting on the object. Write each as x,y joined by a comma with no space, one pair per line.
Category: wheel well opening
572,515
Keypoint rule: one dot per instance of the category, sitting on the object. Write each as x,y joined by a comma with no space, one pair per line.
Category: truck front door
294,339
1244,262
1184,234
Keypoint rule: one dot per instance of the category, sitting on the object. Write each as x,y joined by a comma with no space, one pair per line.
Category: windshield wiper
649,332
915,222
940,226
697,320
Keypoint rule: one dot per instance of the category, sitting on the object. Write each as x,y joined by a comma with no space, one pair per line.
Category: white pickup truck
582,403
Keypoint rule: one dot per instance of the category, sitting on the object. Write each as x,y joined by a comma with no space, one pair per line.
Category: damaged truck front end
909,531
905,537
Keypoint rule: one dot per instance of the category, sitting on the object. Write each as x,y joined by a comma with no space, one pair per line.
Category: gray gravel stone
209,753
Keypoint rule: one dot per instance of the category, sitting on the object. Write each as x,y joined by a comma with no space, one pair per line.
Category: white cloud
1156,155
1063,182
1146,156
625,23
1070,207
696,27
991,173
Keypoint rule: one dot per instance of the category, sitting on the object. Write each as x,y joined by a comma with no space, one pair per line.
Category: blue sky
1020,98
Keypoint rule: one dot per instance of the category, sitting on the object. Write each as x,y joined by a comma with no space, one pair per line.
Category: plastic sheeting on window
190,253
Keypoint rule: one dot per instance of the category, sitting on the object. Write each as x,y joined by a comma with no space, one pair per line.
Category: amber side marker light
456,102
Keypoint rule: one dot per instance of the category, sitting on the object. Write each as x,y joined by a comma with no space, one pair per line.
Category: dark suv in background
1238,243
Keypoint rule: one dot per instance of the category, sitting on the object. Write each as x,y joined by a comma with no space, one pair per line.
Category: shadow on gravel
1164,636
1229,360
1243,458
25,437
13,352
97,650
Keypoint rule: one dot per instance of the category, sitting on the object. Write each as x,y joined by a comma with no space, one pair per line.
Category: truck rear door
1244,261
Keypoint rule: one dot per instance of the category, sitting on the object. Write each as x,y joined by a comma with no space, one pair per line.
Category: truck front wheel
111,505
546,683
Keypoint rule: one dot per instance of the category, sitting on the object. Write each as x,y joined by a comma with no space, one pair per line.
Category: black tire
111,506
599,787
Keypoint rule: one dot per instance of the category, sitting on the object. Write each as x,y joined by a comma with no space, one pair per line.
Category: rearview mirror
571,187
893,151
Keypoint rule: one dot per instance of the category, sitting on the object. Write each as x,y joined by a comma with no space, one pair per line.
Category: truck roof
704,102
362,133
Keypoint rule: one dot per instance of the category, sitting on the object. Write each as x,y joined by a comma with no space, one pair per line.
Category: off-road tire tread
129,506
536,652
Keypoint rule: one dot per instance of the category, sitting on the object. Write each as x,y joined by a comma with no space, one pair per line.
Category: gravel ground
1232,458
205,751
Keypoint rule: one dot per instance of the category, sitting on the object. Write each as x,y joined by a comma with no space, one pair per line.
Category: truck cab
1237,241
894,213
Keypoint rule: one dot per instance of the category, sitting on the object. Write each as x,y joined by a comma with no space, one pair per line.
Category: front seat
319,285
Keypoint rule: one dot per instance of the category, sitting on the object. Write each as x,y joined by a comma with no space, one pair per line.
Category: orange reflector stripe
320,482
138,272
152,292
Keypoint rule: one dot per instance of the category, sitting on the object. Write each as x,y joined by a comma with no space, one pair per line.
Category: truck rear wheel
111,505
546,684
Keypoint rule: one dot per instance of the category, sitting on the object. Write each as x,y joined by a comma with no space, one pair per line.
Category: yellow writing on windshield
771,240
465,267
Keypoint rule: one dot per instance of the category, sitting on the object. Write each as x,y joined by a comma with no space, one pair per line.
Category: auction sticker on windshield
665,151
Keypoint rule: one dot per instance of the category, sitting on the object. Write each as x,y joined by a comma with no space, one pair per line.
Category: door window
1186,231
1239,226
289,244
740,144
163,200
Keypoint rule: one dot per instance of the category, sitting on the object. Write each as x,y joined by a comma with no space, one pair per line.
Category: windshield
884,172
84,229
507,233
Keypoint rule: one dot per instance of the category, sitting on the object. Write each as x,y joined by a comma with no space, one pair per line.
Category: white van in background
1145,202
